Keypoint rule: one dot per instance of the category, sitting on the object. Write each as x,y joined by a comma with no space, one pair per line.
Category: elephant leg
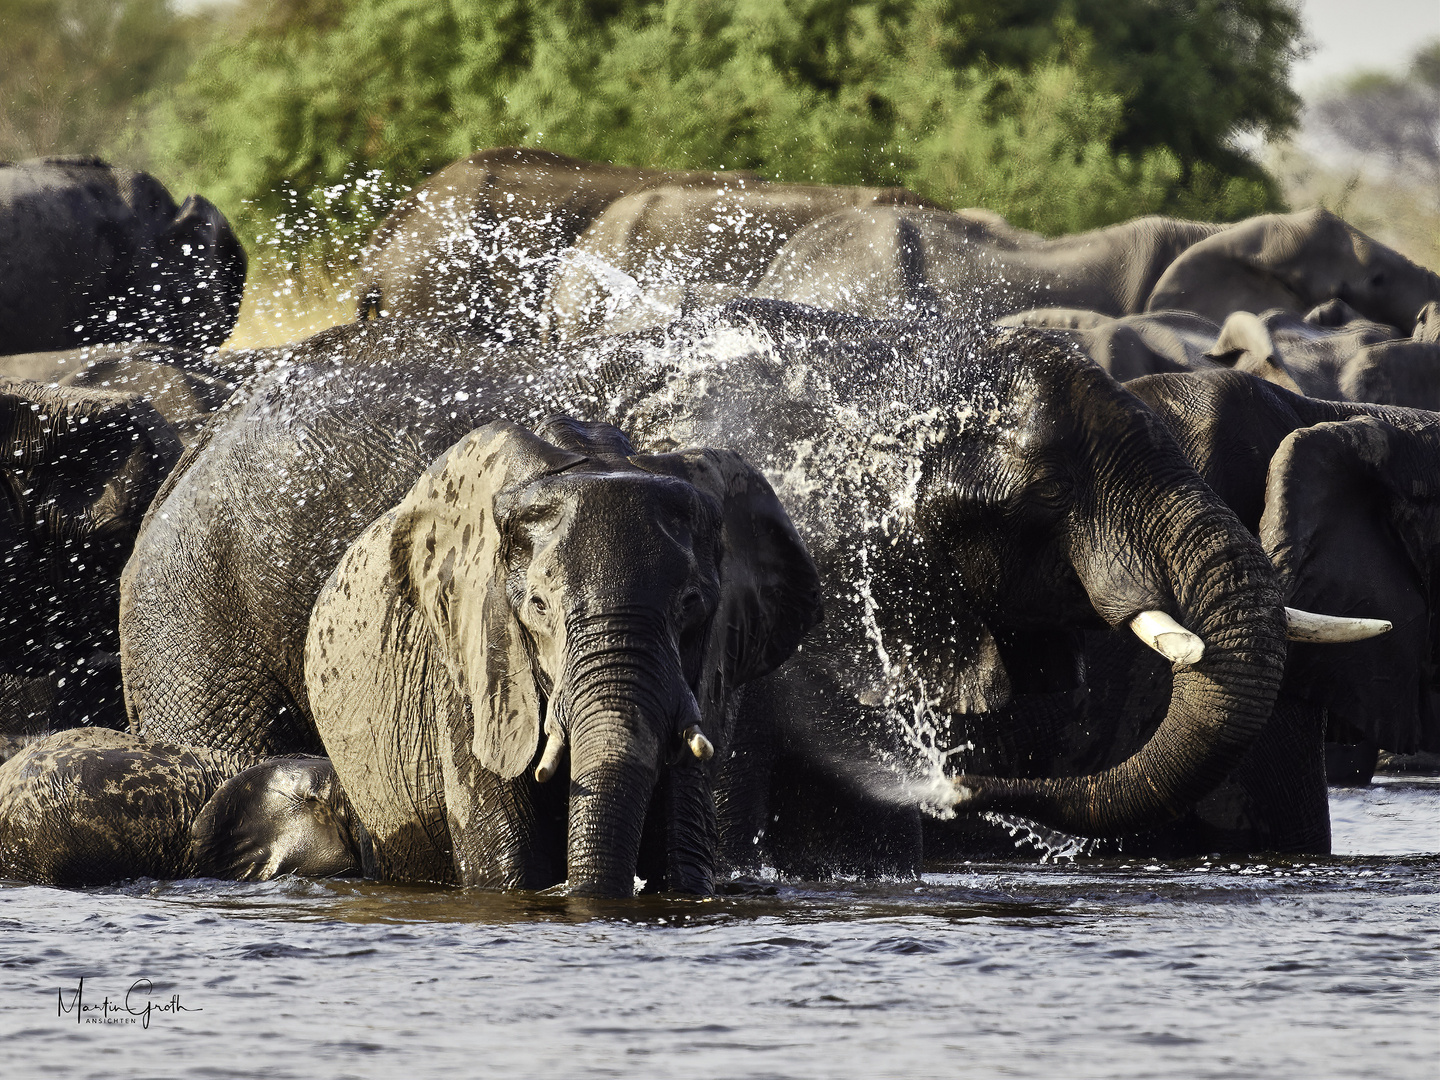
742,788
508,834
1275,800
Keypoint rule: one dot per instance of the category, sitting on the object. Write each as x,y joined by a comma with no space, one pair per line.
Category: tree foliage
73,72
1060,114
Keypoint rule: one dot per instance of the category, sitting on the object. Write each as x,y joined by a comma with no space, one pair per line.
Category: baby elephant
92,806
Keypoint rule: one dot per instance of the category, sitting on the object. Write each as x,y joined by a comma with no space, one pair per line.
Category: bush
1059,114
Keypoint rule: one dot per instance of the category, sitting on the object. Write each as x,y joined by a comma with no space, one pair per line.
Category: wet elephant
80,468
476,244
1343,498
658,252
93,807
97,254
615,599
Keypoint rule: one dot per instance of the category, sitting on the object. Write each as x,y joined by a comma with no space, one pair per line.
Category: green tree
1061,114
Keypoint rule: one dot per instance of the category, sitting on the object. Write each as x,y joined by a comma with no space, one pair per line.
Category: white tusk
1168,638
550,760
699,745
1332,629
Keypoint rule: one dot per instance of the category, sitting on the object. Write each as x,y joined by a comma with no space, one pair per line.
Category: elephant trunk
1189,556
622,697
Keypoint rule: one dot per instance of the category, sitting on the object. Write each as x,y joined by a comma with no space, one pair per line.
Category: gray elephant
183,385
1355,361
93,807
96,254
477,243
1295,262
1343,498
657,252
619,599
218,596
81,466
1131,346
903,262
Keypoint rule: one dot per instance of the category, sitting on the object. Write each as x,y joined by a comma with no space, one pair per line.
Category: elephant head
1295,262
1352,521
1071,506
570,587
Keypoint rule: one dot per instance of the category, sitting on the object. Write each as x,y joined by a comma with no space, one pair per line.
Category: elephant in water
185,386
218,597
476,244
96,254
92,807
1345,498
620,598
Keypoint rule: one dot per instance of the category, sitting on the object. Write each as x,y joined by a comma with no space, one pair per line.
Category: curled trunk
1183,552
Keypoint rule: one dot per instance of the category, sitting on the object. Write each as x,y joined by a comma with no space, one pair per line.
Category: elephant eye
539,604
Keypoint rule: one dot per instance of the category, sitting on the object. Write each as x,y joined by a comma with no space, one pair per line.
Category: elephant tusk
1332,629
550,760
699,745
1168,638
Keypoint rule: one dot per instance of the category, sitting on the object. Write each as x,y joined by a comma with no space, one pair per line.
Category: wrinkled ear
1245,345
769,587
448,555
1352,521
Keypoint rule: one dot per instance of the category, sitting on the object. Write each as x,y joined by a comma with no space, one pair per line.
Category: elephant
1131,346
184,386
82,465
90,806
96,254
1344,499
477,243
901,262
615,599
1295,262
657,252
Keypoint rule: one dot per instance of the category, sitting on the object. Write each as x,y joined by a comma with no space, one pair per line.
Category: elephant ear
1245,344
769,587
1352,521
448,553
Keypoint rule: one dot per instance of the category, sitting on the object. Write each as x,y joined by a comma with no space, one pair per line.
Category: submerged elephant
92,807
80,468
620,598
477,243
657,252
98,254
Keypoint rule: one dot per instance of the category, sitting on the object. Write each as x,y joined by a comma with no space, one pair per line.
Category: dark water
1206,968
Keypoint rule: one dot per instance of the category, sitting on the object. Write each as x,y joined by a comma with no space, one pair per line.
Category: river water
1323,967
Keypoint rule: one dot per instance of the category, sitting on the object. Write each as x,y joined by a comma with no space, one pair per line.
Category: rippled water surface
1204,968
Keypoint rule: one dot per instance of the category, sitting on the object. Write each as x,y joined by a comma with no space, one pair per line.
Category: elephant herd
646,529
